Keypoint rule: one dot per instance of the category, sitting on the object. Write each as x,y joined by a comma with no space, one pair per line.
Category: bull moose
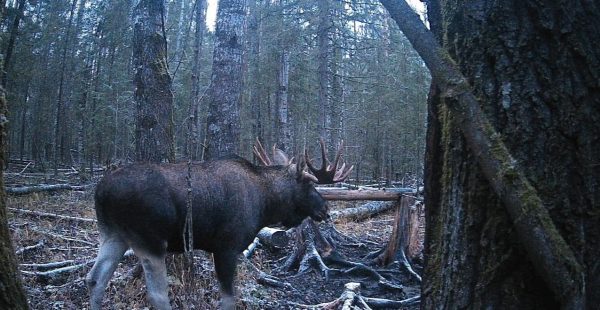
143,206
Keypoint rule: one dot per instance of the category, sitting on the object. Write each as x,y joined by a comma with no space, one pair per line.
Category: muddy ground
75,242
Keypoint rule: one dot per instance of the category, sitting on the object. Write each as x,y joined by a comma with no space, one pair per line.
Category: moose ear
279,157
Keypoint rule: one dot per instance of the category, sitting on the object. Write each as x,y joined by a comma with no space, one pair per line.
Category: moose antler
278,155
260,152
328,173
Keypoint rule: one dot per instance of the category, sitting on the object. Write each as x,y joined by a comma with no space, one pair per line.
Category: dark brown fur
144,205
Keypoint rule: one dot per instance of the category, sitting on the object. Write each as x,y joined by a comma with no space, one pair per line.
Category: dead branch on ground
24,190
365,211
352,299
386,194
28,248
46,214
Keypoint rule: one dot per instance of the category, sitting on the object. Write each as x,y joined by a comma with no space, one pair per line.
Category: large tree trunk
535,70
153,96
225,91
11,292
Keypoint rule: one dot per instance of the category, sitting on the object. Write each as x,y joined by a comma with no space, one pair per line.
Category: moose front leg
225,267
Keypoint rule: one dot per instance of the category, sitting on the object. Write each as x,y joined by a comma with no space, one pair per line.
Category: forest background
346,74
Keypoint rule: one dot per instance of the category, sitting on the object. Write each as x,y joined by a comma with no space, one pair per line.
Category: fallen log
387,194
367,210
46,214
24,190
381,303
270,237
58,273
46,266
273,237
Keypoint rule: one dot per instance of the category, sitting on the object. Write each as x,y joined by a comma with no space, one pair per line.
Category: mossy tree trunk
536,73
153,96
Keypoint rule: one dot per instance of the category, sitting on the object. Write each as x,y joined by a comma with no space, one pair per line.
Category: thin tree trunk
284,131
58,121
254,37
193,135
323,69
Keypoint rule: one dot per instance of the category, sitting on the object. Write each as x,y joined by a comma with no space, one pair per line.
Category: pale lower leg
157,283
110,253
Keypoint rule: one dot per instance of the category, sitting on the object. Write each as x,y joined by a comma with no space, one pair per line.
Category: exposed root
378,303
268,280
352,299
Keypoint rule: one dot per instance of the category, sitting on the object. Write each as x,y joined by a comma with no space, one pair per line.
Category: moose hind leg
225,267
110,253
157,283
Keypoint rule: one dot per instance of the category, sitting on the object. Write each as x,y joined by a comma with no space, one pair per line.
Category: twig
46,266
54,273
29,163
59,271
62,237
30,247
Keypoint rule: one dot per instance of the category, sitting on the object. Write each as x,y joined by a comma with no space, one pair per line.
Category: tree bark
225,91
402,234
11,291
323,68
472,235
153,96
284,131
14,31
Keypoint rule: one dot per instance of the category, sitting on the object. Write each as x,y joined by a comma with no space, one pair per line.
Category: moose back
143,206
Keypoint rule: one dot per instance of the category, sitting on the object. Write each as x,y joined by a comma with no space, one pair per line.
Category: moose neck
280,194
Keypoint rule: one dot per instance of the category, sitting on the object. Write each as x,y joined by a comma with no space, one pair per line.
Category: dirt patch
43,239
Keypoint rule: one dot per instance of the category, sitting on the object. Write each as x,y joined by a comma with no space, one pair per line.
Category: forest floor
44,239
